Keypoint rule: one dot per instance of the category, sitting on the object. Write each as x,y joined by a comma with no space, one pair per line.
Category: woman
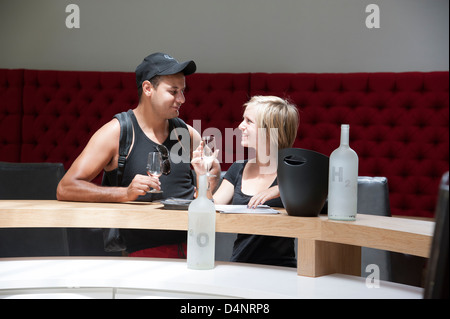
269,124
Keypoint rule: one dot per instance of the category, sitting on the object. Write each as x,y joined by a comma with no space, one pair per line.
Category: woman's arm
264,196
224,195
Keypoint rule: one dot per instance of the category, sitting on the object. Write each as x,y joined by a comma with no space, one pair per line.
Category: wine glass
154,167
209,148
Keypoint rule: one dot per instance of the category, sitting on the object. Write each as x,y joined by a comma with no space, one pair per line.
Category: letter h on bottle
339,173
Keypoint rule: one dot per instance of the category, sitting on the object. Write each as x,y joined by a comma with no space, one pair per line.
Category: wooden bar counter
324,246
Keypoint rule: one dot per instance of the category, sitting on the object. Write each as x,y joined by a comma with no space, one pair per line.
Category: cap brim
187,68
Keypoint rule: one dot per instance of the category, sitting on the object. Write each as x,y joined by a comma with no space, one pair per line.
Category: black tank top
258,249
179,183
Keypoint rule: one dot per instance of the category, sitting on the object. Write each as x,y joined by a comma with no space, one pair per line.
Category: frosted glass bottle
343,180
201,230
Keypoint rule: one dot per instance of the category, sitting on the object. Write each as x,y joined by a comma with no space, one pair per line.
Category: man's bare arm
100,153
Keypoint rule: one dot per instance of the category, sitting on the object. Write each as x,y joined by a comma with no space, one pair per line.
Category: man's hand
140,185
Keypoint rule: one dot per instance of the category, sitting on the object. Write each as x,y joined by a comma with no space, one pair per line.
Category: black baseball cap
161,64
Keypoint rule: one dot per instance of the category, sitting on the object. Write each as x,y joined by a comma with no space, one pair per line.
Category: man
160,81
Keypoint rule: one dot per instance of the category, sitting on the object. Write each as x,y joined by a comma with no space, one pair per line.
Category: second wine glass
154,167
209,148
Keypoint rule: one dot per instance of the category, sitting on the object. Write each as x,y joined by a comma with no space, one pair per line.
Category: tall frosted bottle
343,180
201,230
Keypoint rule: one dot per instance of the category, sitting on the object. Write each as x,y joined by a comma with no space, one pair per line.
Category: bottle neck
345,133
202,185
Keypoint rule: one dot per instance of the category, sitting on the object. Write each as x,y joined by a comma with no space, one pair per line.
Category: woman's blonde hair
275,112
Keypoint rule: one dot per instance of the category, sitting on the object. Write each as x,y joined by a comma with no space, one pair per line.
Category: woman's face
249,128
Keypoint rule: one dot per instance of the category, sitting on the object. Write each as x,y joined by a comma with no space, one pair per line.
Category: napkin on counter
242,209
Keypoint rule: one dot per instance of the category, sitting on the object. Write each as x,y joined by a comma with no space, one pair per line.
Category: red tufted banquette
399,122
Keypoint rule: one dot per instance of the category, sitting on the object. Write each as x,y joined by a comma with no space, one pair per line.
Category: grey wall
227,35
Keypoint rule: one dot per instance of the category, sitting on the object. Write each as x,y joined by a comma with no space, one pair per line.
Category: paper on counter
242,209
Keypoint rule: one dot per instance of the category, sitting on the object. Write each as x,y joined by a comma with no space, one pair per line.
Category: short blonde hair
275,112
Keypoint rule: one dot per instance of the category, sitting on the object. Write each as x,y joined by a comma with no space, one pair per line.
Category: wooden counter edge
394,234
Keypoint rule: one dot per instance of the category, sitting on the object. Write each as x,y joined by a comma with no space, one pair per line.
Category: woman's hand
197,160
199,164
264,196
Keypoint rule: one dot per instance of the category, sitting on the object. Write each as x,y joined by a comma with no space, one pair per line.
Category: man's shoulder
108,134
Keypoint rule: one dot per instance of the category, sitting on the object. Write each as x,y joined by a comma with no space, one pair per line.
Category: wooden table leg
318,258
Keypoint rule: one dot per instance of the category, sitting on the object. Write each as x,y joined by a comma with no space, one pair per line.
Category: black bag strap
126,137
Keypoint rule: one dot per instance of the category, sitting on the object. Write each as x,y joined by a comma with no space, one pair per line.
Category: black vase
303,181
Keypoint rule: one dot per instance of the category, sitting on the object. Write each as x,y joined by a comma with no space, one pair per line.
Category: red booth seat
398,121
398,126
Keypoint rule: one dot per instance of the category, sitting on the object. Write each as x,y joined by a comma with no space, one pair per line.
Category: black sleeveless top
258,249
179,183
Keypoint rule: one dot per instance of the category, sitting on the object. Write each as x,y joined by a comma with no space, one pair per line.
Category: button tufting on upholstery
399,121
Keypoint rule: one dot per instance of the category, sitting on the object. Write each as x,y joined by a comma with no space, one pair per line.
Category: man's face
168,96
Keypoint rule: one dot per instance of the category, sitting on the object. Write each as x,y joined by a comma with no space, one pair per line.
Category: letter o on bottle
202,239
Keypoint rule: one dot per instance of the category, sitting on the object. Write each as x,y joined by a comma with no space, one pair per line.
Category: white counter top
122,277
